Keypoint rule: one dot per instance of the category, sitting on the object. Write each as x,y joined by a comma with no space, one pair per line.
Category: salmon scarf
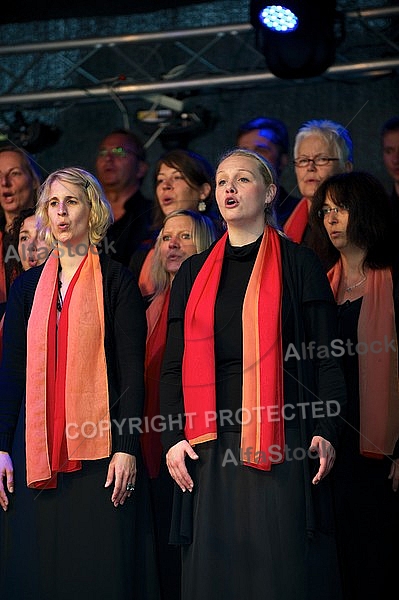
262,355
157,319
378,366
80,401
296,223
146,284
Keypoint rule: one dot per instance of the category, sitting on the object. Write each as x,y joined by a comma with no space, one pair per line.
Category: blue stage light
278,18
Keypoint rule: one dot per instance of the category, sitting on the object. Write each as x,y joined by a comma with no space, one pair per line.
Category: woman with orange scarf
184,233
72,369
251,421
352,215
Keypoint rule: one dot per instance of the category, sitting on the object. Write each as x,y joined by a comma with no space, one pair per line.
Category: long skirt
71,542
249,533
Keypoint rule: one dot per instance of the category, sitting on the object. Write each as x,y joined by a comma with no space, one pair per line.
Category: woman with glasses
352,216
321,148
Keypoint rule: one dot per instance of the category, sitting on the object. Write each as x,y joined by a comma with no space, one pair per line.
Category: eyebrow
238,170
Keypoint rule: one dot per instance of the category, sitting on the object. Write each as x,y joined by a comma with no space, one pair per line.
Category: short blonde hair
204,234
100,217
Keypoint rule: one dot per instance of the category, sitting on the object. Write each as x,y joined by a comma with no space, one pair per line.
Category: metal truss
159,65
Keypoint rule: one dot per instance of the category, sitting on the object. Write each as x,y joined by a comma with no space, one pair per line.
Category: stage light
297,38
278,18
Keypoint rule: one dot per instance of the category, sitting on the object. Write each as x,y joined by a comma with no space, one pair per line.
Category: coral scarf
146,283
296,223
378,366
157,320
78,398
262,354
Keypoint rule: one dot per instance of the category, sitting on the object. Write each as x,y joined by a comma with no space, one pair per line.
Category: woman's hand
6,476
175,459
394,474
122,469
326,454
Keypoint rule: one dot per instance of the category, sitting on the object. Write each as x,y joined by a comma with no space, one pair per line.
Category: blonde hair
100,217
204,234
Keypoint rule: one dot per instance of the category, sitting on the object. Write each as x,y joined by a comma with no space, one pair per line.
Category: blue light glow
278,18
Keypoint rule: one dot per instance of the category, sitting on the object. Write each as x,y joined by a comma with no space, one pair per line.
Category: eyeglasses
117,151
318,161
338,210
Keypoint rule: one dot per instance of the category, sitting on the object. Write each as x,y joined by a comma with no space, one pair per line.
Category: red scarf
157,320
378,369
262,355
67,407
296,223
146,283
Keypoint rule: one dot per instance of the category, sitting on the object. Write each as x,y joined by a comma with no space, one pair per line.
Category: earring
201,206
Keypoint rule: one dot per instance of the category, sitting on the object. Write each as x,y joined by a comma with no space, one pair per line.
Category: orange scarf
262,354
87,416
296,223
146,283
3,287
157,320
378,369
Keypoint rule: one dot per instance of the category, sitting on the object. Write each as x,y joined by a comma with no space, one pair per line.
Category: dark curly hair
370,218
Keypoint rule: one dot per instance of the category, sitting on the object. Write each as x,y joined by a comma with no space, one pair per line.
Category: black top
126,234
284,205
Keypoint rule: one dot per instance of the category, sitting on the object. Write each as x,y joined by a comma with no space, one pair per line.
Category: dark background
23,12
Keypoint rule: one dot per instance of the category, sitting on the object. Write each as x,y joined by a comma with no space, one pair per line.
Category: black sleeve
137,260
13,366
328,405
129,329
321,330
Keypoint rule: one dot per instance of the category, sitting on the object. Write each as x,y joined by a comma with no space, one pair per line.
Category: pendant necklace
60,299
355,285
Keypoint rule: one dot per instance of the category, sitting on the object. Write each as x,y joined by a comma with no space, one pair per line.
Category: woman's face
310,177
68,213
241,192
336,223
174,193
16,185
177,242
31,250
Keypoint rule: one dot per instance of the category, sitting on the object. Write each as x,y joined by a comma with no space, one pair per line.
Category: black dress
367,509
247,533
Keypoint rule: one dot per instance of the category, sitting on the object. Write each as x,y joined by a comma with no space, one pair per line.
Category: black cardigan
125,335
307,293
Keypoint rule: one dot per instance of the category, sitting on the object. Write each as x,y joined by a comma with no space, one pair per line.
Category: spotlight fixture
278,18
297,37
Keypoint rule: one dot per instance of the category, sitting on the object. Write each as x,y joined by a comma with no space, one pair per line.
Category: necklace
355,285
60,299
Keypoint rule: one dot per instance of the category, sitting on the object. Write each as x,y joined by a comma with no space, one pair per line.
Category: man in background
269,138
390,154
121,167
